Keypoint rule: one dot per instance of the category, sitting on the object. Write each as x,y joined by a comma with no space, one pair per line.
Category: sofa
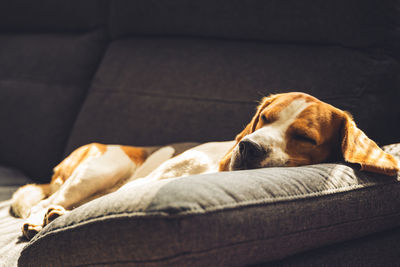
153,72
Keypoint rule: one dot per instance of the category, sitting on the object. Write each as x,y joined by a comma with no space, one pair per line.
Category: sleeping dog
290,129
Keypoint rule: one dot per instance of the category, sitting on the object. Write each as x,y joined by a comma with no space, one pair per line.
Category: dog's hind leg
92,178
26,197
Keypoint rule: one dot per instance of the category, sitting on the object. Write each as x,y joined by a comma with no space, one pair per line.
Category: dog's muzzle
248,155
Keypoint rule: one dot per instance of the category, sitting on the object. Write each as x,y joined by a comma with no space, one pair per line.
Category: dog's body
289,129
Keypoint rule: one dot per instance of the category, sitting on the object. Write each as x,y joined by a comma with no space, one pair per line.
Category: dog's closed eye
304,139
265,119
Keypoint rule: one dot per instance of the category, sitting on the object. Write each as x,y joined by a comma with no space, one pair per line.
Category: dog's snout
250,150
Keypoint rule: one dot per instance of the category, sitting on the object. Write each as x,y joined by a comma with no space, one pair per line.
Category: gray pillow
231,218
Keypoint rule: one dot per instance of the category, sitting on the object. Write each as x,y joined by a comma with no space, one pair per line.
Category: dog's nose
250,150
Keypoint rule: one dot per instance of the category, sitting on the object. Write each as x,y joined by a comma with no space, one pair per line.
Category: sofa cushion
379,249
49,51
350,23
10,227
11,241
155,91
10,180
43,82
51,15
230,219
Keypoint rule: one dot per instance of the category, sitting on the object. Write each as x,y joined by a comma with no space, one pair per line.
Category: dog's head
294,129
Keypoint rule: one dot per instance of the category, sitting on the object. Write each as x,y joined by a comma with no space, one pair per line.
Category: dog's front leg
92,178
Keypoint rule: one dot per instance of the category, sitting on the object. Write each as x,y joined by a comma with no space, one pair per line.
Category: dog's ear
358,148
250,128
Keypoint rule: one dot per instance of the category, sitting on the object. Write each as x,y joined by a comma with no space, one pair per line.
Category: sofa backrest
358,23
194,70
49,51
177,70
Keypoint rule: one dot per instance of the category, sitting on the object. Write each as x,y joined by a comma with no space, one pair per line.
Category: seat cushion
230,219
379,249
10,180
10,228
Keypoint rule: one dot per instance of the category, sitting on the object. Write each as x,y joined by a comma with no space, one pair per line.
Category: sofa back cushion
52,15
48,55
346,22
194,70
154,91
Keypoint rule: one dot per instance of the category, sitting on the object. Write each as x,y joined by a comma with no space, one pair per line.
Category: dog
289,129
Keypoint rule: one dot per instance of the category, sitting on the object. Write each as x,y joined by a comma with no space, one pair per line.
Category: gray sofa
153,72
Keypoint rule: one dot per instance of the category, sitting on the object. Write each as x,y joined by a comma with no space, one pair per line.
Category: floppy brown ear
358,148
251,126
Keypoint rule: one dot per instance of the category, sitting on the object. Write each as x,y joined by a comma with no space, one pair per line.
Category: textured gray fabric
160,83
10,180
349,23
11,177
51,15
11,242
393,149
43,82
230,219
380,249
155,91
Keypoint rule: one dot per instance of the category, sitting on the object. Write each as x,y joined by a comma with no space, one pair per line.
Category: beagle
290,129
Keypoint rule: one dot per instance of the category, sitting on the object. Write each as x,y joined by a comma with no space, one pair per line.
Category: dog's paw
53,212
29,230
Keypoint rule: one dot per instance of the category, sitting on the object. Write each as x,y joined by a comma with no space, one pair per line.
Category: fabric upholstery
154,91
380,249
360,23
11,241
51,15
193,71
43,81
10,180
229,219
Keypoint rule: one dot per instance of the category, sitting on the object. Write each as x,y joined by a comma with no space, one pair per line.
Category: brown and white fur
290,129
